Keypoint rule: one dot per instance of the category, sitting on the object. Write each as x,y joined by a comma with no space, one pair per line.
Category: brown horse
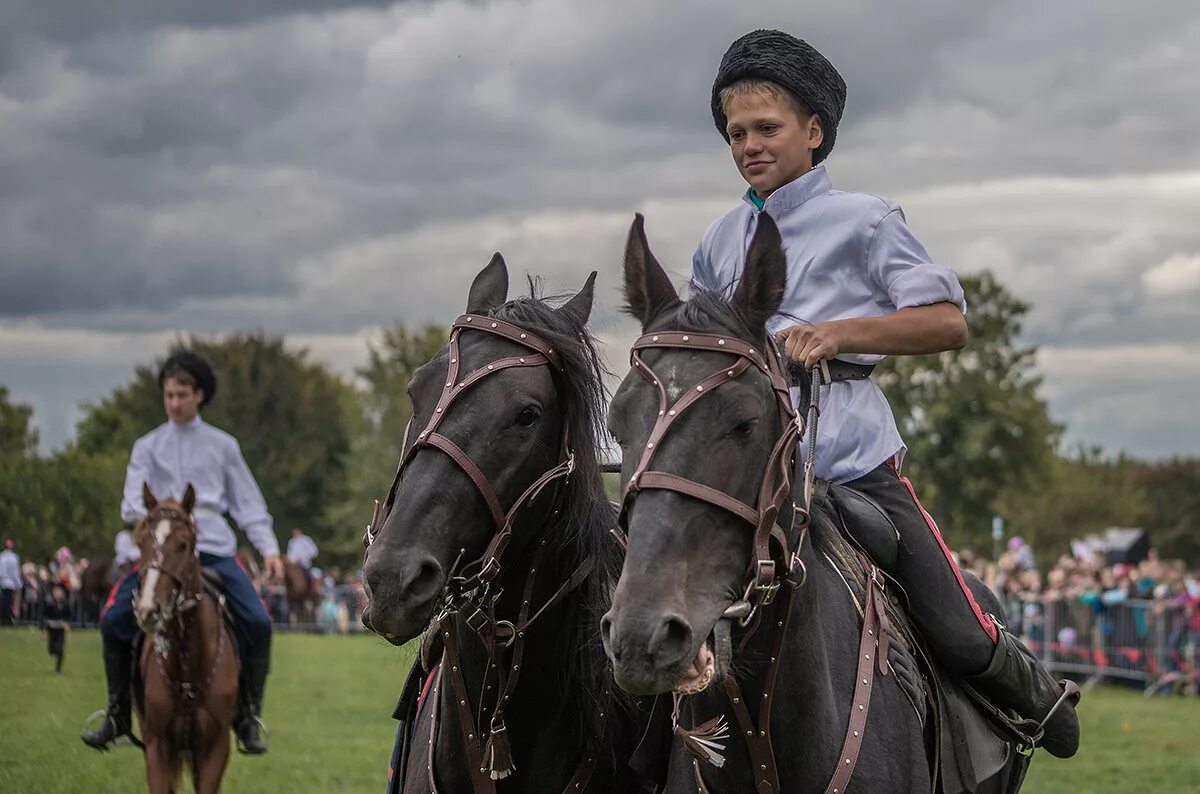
188,663
303,595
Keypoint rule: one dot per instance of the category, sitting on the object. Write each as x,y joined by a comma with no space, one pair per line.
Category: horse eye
527,417
743,429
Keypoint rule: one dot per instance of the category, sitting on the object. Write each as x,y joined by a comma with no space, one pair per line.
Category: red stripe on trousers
112,595
984,620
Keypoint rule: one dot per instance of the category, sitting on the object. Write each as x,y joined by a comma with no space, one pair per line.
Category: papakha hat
195,365
794,64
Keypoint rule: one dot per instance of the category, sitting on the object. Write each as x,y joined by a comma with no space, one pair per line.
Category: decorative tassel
706,742
497,756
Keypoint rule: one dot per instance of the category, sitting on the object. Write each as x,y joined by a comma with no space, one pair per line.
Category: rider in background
10,581
301,549
860,286
126,551
186,450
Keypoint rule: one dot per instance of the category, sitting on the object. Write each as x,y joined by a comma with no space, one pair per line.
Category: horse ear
764,279
648,290
490,287
580,306
148,496
189,499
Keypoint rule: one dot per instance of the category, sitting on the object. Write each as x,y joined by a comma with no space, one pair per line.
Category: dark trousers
960,634
6,607
254,626
56,645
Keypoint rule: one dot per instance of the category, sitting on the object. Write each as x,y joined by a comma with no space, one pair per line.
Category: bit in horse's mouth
700,674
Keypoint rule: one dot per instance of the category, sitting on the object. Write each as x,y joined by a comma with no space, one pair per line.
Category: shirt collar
793,194
187,427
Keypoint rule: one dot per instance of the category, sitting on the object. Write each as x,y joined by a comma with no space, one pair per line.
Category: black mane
584,527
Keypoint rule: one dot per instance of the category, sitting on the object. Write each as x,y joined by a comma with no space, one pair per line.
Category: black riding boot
251,730
1016,679
118,668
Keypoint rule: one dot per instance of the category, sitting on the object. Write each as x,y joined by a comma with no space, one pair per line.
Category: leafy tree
1083,493
972,419
289,414
69,498
17,437
379,417
1173,510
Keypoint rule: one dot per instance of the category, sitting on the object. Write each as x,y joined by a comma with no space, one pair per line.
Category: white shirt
301,550
10,570
126,550
849,255
171,456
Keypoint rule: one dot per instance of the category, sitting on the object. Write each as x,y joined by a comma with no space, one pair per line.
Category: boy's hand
811,344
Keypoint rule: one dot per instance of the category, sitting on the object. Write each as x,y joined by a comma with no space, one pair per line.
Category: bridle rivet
660,413
655,338
522,360
438,410
699,388
720,341
494,325
649,444
731,373
522,336
671,412
685,337
421,434
490,366
449,383
469,319
454,361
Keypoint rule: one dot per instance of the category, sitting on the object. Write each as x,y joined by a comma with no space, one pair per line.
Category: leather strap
872,655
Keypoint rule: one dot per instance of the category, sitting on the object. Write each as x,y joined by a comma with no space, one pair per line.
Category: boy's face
181,400
771,145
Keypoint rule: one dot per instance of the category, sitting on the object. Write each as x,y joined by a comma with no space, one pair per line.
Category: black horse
712,422
497,529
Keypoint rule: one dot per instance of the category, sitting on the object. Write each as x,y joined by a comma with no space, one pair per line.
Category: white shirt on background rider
126,550
302,550
172,455
849,255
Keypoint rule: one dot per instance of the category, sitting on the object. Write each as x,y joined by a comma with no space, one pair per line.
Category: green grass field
330,700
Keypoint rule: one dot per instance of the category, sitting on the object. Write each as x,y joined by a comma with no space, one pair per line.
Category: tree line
981,443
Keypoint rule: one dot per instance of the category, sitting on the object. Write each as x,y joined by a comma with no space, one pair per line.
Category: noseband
182,599
772,559
541,354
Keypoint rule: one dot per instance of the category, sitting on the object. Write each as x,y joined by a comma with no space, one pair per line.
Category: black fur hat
197,366
794,64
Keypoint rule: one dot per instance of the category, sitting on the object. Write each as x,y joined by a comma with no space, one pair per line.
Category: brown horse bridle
541,354
772,556
186,688
470,593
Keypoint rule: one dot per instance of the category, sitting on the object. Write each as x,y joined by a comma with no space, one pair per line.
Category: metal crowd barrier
1152,644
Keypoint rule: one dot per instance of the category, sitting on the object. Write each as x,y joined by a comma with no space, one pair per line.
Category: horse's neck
537,719
807,699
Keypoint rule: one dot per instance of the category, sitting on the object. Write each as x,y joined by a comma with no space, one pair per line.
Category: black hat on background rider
194,365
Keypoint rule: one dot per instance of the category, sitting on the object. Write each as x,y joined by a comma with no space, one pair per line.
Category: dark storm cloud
323,168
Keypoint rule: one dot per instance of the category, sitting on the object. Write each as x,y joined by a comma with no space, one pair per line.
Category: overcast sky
323,169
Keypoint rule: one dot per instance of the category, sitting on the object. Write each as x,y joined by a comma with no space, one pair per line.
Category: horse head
491,432
696,417
169,564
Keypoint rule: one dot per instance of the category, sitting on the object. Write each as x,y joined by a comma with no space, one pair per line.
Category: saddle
973,746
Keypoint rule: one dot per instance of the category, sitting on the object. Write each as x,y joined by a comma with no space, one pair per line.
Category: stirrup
262,727
97,718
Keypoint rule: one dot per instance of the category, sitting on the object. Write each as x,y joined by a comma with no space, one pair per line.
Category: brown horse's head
170,570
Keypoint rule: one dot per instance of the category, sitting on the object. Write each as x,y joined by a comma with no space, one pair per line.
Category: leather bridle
773,557
486,568
468,591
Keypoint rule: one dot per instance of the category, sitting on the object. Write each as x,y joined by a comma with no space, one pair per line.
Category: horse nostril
606,624
670,642
426,582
